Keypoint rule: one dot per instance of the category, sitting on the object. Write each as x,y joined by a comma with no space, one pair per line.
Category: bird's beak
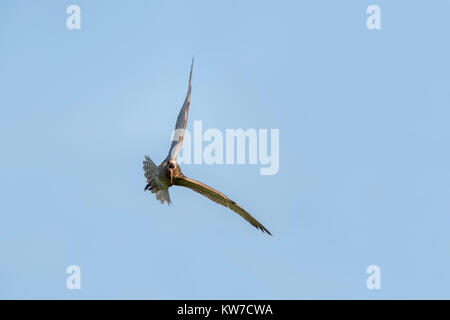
171,176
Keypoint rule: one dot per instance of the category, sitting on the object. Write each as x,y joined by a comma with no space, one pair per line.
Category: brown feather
219,198
180,125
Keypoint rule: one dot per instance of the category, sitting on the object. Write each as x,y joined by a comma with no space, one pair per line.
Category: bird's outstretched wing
219,198
180,126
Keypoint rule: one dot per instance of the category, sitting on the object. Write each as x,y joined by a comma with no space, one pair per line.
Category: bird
168,173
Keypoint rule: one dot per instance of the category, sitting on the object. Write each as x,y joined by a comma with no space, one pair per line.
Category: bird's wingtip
262,228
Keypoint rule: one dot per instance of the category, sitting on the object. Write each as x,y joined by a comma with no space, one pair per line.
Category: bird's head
172,167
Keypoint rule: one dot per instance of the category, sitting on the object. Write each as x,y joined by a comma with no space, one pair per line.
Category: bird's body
158,178
168,173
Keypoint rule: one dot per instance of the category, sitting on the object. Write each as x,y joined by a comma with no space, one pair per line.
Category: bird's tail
149,169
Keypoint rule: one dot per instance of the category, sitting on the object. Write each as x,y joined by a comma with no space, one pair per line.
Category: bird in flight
168,173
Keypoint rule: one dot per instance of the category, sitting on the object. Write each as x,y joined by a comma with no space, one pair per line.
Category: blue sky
364,160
